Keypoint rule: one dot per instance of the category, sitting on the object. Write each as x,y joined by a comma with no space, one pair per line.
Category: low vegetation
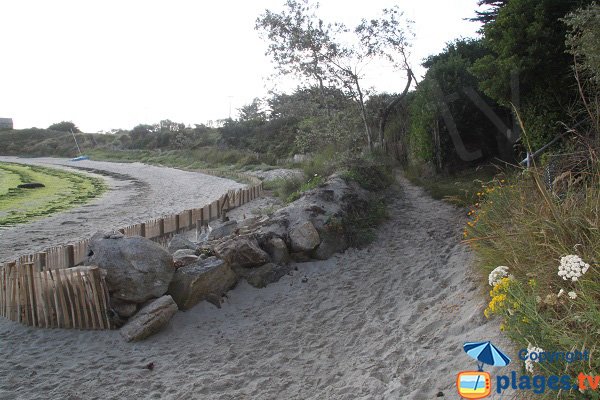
536,234
61,191
460,189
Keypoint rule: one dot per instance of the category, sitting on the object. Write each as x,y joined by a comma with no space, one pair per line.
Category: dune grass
62,190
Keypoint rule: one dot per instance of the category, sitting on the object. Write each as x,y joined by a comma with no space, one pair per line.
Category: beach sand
137,192
384,322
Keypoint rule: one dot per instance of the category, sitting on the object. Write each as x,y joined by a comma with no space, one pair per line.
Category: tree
64,126
168,126
527,39
299,42
387,37
302,44
583,43
490,13
450,122
253,111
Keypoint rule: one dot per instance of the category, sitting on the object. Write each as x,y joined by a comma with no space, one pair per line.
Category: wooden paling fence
44,290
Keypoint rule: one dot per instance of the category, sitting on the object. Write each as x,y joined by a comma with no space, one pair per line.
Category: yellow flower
499,297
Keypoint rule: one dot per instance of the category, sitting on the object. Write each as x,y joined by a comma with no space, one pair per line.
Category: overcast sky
117,63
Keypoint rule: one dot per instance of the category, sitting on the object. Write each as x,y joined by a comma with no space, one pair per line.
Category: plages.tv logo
478,384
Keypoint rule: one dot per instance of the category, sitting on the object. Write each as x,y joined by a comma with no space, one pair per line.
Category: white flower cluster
572,267
529,362
572,295
497,274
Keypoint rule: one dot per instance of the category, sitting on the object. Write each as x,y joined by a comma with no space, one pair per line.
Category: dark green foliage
427,138
490,13
64,126
528,38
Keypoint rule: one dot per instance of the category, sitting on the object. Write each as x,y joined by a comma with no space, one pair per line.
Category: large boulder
137,269
277,250
304,237
222,230
206,280
150,319
260,277
179,242
241,252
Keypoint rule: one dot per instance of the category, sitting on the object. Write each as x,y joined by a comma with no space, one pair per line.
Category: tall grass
522,224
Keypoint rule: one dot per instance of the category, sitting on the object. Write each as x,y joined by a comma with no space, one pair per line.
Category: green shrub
371,177
284,187
323,163
359,225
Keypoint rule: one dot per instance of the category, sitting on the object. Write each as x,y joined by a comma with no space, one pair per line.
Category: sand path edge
384,322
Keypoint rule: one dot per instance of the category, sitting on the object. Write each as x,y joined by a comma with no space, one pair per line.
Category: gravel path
137,192
384,322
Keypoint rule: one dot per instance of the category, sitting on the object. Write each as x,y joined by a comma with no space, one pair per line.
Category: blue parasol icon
486,353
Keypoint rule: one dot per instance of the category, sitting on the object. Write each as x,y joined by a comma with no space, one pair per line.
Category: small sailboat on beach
81,157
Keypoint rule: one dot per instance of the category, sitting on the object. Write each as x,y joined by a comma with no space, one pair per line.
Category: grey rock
304,237
300,257
123,309
184,257
137,269
150,319
220,231
179,242
206,280
241,252
31,185
260,277
330,245
248,222
184,252
278,251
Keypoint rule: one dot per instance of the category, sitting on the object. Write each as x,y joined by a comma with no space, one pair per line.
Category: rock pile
148,284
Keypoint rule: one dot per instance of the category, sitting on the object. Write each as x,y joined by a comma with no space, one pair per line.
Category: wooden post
161,227
190,219
40,261
71,255
210,212
177,223
2,290
32,296
143,229
199,227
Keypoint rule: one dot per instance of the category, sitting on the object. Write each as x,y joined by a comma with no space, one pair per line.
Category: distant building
5,124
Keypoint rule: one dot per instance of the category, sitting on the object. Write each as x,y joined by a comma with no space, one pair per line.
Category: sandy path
137,192
385,322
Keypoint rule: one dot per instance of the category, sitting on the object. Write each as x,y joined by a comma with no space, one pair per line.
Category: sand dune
385,322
